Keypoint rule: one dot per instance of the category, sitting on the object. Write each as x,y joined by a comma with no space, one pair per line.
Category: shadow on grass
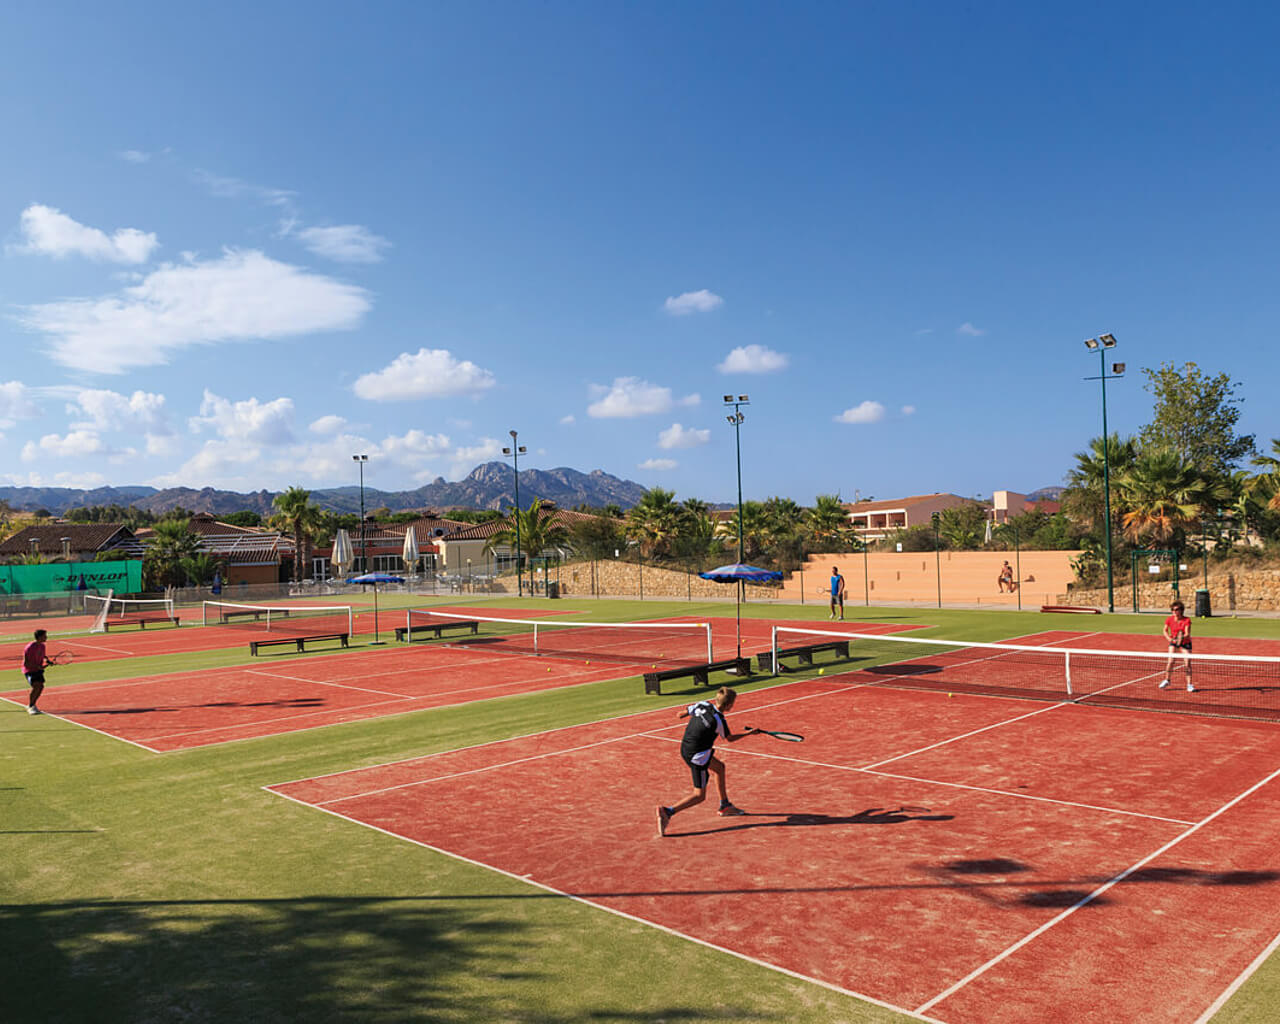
322,959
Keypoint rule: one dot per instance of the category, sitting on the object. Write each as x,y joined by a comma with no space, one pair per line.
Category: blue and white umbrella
740,574
375,578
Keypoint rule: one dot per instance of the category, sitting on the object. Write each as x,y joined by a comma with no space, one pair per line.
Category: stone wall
1246,590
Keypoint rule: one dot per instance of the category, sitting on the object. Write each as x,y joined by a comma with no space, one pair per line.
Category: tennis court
963,858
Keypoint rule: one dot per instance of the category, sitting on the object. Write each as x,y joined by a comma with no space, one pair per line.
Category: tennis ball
951,695
821,671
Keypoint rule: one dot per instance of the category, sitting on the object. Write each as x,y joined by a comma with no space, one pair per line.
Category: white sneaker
34,711
1190,687
1164,684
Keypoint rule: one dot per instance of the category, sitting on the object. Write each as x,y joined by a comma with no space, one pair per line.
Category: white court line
914,1014
1234,987
1090,897
973,732
90,728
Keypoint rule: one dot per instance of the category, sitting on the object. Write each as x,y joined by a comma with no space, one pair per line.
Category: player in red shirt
1177,630
34,661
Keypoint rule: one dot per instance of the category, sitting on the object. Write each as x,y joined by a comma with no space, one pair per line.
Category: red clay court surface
964,859
286,693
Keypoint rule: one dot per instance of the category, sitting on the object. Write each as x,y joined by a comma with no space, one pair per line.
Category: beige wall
968,577
1248,590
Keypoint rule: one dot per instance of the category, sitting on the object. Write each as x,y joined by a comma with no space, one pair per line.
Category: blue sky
241,243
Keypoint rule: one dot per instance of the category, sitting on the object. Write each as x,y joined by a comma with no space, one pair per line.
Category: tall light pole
736,419
515,451
360,460
1101,343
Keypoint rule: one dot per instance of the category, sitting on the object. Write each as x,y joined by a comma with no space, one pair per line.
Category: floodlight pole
360,460
736,420
515,451
1102,343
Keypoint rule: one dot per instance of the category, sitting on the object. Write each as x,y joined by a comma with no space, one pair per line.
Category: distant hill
490,485
1047,493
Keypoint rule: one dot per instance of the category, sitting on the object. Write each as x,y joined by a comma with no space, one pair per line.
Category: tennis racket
62,658
779,734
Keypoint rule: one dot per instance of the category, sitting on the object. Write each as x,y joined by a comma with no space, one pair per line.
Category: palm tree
655,522
827,518
538,532
171,542
295,514
1085,495
200,568
1162,496
697,537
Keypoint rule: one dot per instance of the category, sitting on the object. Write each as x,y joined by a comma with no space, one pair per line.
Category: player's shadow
296,702
806,819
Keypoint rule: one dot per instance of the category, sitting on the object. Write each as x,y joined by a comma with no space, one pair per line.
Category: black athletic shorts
701,774
34,678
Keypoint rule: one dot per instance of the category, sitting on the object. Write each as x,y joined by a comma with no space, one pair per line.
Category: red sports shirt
33,657
1179,628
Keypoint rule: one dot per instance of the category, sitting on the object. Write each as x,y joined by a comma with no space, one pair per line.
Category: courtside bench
699,673
408,633
300,641
804,652
140,623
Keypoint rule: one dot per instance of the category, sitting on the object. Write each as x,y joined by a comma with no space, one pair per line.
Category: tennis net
671,643
1228,685
290,620
112,607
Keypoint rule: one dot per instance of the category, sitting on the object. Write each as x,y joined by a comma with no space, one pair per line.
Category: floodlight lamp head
359,458
522,449
1108,340
728,399
1117,368
1091,343
743,398
506,451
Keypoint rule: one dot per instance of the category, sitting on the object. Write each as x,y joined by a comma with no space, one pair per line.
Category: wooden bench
140,623
406,633
300,641
699,673
804,652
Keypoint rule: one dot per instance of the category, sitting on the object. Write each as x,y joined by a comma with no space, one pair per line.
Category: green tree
171,542
200,568
245,517
697,540
963,527
1195,416
1085,496
655,522
297,515
538,533
827,518
1162,497
598,537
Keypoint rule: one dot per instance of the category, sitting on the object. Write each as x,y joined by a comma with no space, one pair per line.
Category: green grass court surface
174,887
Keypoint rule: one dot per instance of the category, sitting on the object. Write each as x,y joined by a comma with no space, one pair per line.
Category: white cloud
968,329
428,373
677,436
15,403
413,445
908,410
658,464
346,243
754,359
701,301
73,444
134,156
242,296
568,420
249,422
630,396
80,481
234,188
53,233
327,425
865,412
465,458
141,412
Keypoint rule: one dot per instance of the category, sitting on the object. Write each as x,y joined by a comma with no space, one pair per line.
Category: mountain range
491,485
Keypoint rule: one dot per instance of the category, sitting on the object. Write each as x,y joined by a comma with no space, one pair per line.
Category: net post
710,653
535,638
773,649
204,613
351,621
1068,665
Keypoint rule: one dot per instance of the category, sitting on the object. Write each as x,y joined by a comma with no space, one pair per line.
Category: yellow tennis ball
821,671
951,695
